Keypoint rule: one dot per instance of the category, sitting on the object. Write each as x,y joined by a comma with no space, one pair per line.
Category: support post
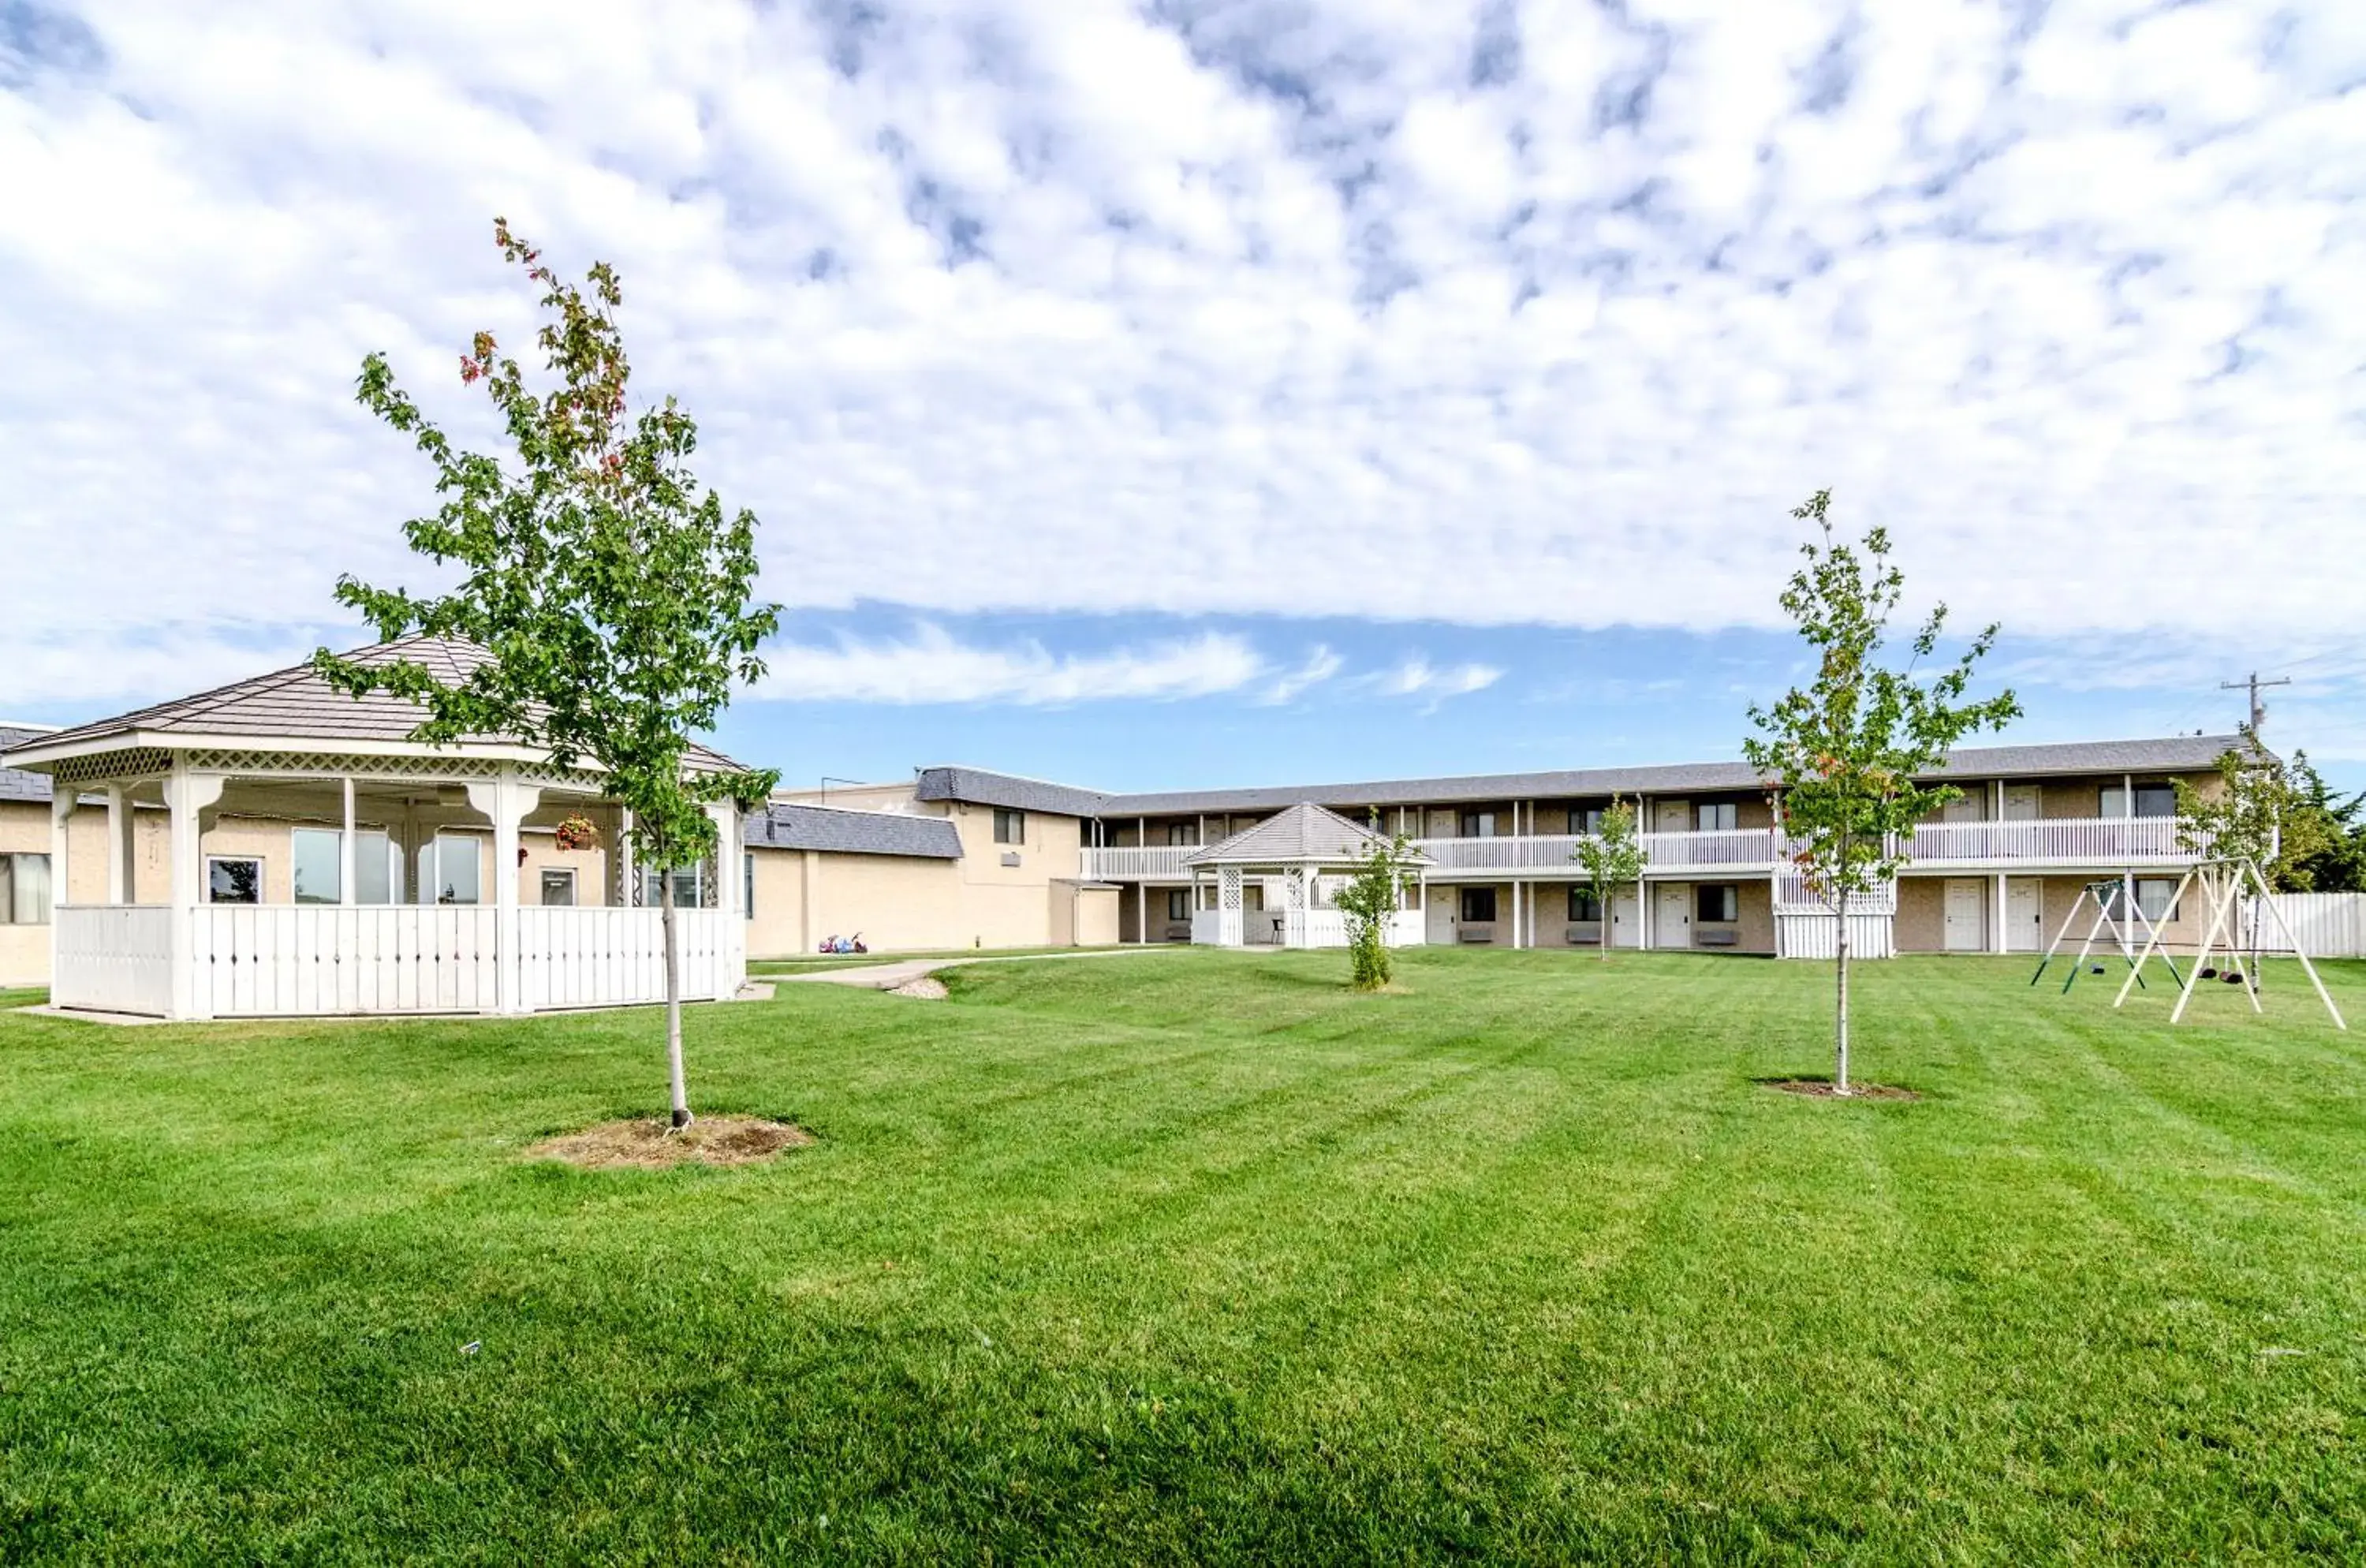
118,845
187,796
506,801
1142,914
1997,942
348,852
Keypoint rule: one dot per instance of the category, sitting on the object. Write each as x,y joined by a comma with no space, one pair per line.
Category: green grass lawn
1206,1259
803,961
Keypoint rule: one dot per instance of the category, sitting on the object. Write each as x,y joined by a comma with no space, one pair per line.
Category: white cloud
933,666
1416,677
1261,308
1321,664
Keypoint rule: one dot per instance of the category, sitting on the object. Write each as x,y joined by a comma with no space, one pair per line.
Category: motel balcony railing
2072,842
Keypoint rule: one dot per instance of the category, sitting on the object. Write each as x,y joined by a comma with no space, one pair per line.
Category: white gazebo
1306,854
276,848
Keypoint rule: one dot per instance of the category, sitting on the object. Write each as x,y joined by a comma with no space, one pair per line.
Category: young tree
1841,758
2243,817
1612,856
1369,901
608,590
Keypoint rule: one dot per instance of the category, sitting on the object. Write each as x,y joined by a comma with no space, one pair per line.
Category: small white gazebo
278,848
1306,852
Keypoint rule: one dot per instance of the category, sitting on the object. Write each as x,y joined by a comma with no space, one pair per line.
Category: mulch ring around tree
647,1143
1821,1088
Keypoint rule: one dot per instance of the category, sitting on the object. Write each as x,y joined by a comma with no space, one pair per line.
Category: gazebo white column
120,878
732,971
187,796
506,801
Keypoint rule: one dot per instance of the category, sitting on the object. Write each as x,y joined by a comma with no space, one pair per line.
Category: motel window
1010,826
558,889
1479,825
230,881
377,870
746,886
312,854
1588,820
1583,905
447,871
2153,896
24,890
689,888
1182,833
1714,817
2152,800
1178,903
1719,903
1478,905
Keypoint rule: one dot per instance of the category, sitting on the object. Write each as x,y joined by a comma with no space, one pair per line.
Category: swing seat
2233,977
2210,974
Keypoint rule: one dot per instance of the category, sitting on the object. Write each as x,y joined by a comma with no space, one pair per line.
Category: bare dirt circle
647,1143
1821,1088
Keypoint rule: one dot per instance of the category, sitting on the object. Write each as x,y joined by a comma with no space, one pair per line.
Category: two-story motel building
274,846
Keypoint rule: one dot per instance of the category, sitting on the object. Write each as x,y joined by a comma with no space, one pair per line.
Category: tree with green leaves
1612,856
1843,759
2240,817
1370,902
2324,848
609,593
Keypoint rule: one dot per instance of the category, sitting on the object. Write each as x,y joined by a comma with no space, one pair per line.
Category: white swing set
2230,930
2116,910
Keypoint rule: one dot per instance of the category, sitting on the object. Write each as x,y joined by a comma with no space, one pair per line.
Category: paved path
888,976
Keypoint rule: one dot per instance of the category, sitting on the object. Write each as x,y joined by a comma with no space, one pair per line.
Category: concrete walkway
888,976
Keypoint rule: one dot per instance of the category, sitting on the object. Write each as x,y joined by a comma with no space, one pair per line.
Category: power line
2254,684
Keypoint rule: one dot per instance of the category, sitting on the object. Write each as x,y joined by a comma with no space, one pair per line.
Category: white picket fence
294,961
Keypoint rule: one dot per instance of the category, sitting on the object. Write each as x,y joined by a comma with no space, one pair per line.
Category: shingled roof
1305,834
295,704
16,784
783,824
978,786
2179,753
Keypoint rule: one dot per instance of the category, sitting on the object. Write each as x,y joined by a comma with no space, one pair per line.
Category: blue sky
1219,393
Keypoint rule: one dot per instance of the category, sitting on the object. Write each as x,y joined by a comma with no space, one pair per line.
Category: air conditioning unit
1011,857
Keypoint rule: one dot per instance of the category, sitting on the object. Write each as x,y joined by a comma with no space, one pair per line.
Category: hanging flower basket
576,833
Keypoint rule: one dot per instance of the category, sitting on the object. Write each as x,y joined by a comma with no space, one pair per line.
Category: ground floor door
1626,920
1672,915
1966,931
1438,927
2024,915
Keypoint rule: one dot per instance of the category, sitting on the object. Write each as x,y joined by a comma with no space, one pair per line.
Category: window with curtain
25,890
1478,905
1719,903
1714,817
1583,905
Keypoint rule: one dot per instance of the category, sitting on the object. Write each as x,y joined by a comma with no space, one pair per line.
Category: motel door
1966,931
2021,803
2024,915
1672,918
1626,920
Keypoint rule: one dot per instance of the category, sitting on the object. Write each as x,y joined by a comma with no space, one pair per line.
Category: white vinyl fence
294,960
1813,933
113,958
596,956
2330,925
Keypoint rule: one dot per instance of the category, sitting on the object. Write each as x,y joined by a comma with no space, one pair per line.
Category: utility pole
2259,708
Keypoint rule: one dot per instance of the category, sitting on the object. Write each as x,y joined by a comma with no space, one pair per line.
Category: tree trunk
673,1002
1839,1013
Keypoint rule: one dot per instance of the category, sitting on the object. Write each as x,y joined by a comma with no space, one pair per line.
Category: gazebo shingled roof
295,704
1305,834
